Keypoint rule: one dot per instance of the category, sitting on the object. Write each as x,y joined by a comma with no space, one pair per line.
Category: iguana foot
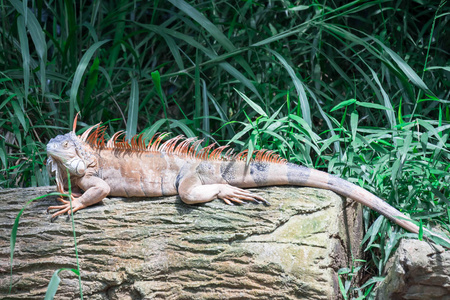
76,205
230,194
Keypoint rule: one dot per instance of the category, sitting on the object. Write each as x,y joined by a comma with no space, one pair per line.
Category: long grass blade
252,104
133,109
77,79
213,30
12,243
24,48
188,39
37,36
53,285
306,111
409,72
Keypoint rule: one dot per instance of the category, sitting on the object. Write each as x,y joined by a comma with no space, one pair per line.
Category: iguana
176,166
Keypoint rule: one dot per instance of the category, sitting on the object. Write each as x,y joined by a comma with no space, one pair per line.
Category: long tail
266,173
299,175
319,179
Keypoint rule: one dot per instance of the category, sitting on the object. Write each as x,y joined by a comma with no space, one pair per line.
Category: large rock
418,270
161,248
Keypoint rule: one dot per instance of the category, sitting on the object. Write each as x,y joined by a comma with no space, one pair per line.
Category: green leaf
373,105
157,80
54,283
446,68
91,81
305,126
328,142
12,241
420,230
370,281
430,129
153,129
20,115
236,137
37,36
25,50
3,152
400,116
306,111
188,39
343,104
373,232
205,23
299,7
186,130
387,103
78,77
409,72
354,124
133,109
174,49
197,94
342,289
213,30
255,106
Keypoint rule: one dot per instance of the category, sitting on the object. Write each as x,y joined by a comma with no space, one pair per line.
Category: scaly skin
176,167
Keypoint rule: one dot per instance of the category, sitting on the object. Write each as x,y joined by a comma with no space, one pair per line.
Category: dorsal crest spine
179,145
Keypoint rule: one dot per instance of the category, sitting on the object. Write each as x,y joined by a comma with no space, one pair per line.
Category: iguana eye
65,144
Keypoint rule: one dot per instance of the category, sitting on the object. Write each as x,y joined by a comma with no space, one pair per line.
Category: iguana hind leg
193,191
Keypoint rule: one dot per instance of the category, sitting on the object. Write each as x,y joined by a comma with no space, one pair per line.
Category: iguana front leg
192,191
95,190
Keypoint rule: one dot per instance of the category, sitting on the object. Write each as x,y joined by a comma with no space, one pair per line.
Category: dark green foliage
359,89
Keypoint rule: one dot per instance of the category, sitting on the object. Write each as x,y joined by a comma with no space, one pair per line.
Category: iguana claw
76,205
230,194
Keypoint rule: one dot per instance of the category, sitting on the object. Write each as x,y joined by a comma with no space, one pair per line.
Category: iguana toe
65,208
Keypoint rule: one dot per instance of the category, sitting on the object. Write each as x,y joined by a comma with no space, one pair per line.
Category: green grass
55,280
358,89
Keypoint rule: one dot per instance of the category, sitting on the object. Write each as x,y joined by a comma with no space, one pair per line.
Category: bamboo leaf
54,283
174,49
91,81
446,68
12,243
213,30
373,105
343,104
204,22
328,142
188,39
354,124
387,103
373,231
24,48
409,72
255,106
133,109
186,130
20,115
299,7
37,36
78,76
306,111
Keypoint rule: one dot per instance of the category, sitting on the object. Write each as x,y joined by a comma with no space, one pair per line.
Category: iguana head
67,151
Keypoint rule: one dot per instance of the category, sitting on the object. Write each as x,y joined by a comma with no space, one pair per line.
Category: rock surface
417,270
160,248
